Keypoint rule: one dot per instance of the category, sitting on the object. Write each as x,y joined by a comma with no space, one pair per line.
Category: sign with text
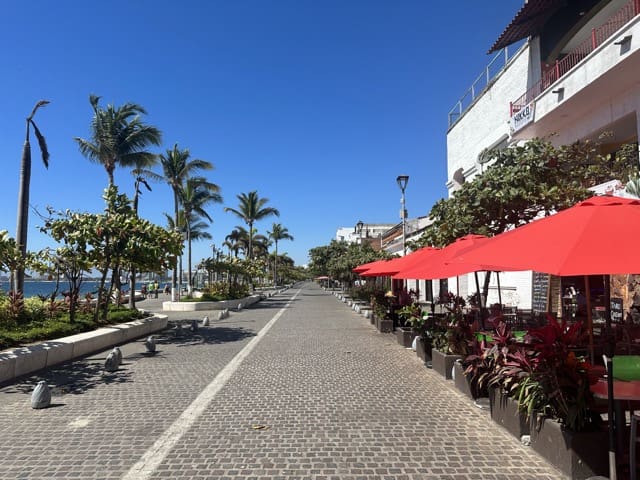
540,292
616,310
522,117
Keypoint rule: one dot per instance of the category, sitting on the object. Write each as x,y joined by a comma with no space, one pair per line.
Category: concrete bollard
111,363
205,321
41,396
150,344
118,354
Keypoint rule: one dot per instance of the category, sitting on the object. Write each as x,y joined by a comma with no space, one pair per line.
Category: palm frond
42,142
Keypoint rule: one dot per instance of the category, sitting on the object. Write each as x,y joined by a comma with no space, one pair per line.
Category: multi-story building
573,73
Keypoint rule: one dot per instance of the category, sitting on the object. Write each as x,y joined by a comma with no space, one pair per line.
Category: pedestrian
155,289
167,289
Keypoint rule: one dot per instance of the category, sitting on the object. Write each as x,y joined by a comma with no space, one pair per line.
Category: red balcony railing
571,59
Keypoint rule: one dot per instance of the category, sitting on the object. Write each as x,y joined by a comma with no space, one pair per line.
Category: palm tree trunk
190,281
275,267
23,211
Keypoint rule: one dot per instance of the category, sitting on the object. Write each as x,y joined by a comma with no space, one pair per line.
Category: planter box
384,325
504,412
579,455
443,363
405,335
461,381
423,350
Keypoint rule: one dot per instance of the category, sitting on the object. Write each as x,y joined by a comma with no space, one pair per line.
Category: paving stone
336,399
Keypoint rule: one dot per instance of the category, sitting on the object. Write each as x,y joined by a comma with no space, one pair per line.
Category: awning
527,21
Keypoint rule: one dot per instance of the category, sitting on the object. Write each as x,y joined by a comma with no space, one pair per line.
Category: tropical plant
118,137
252,209
23,193
277,233
177,167
194,196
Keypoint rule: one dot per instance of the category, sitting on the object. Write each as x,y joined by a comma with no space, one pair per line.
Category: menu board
540,292
616,310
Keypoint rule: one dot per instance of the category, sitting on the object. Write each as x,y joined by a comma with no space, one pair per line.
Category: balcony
562,66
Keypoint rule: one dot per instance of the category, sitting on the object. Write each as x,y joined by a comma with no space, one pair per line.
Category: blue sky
317,105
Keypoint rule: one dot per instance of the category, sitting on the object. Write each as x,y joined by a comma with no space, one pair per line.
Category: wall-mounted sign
522,117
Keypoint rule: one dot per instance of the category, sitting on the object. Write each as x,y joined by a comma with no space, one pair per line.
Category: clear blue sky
318,105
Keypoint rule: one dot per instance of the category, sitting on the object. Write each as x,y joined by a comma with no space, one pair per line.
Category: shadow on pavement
74,378
204,335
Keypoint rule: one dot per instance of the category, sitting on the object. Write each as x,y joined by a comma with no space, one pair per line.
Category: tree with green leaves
277,233
252,209
195,195
521,183
17,279
118,137
177,166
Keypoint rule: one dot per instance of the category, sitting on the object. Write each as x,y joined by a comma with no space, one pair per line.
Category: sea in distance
34,288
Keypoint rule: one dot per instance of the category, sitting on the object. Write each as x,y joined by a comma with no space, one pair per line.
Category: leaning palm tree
252,209
277,233
194,196
141,174
23,194
118,137
177,166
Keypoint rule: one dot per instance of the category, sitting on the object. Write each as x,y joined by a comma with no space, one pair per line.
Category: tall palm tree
177,166
277,233
141,172
233,241
252,209
23,193
194,196
197,228
118,137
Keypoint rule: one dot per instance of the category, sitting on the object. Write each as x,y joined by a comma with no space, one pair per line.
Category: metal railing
480,84
562,66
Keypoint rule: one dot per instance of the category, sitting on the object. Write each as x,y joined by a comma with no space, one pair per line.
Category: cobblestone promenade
296,387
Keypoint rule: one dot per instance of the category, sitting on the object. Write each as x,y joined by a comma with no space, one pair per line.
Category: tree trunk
190,281
23,211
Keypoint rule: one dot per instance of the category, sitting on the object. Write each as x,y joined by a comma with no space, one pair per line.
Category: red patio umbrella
389,267
435,266
366,266
596,236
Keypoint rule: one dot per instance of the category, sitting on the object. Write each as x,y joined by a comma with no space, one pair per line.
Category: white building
575,75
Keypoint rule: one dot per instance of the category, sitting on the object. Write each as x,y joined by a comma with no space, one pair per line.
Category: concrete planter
423,350
461,381
579,455
384,325
405,335
443,363
504,411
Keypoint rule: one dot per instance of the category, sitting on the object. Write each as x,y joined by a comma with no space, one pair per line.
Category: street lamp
359,226
402,183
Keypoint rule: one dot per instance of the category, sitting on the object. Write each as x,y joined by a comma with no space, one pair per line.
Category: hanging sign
522,117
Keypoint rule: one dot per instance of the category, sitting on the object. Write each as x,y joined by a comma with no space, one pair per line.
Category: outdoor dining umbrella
365,266
394,265
597,236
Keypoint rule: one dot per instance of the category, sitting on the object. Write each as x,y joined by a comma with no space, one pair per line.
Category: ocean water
39,287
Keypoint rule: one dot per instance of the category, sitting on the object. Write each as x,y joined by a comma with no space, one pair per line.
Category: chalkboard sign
540,292
616,310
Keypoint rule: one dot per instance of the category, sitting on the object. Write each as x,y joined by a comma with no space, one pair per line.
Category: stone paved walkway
296,387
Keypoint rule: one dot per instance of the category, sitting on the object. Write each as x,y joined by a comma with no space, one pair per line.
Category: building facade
573,77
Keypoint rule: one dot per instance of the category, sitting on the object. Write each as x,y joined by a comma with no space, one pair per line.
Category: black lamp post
402,183
359,226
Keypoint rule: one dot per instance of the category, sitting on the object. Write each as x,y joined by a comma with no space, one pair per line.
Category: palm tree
140,173
233,241
23,194
277,233
197,229
194,196
251,209
177,167
118,137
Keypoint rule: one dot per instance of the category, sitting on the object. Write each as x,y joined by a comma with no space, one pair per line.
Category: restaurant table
623,390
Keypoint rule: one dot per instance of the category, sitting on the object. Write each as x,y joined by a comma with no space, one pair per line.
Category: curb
23,360
170,306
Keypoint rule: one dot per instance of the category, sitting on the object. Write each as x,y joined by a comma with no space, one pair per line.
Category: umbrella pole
613,474
587,295
499,292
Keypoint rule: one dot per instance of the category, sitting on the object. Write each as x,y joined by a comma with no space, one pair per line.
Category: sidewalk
298,386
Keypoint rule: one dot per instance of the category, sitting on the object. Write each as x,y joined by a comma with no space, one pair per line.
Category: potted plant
549,386
411,322
452,337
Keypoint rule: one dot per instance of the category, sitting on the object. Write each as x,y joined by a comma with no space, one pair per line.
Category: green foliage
521,183
224,291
